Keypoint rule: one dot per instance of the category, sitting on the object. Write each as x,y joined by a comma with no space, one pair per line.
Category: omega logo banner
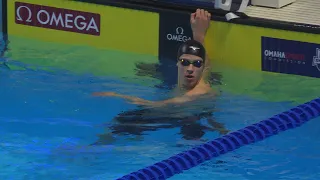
57,18
174,29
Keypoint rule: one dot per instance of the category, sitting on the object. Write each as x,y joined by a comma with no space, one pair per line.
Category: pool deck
301,11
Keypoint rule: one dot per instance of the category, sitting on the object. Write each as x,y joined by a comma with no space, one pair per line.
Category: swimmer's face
190,68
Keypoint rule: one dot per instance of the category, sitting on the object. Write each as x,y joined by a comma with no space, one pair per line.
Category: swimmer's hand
200,22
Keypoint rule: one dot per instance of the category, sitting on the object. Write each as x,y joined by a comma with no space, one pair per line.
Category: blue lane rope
256,132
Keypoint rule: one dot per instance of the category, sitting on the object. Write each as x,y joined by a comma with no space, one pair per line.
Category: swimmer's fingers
202,14
98,94
198,14
192,17
208,15
104,94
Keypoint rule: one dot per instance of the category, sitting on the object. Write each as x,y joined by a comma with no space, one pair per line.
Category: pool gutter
217,14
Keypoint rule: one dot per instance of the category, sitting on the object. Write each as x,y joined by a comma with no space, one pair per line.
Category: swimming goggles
196,63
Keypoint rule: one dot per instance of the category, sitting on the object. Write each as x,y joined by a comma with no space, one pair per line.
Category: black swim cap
192,47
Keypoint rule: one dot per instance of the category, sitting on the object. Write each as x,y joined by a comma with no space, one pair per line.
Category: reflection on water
193,118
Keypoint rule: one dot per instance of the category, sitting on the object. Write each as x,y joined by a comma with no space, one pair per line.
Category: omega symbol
19,15
179,30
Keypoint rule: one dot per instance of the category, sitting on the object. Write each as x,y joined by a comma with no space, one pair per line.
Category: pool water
49,118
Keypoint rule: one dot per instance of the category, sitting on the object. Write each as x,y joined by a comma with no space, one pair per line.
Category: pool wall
154,31
1,18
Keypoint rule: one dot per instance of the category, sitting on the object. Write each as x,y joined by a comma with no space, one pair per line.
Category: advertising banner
76,23
57,18
290,57
174,30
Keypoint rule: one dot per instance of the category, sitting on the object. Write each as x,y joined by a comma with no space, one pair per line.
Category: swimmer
193,66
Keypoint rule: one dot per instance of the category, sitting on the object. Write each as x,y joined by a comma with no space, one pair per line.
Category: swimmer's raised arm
200,22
